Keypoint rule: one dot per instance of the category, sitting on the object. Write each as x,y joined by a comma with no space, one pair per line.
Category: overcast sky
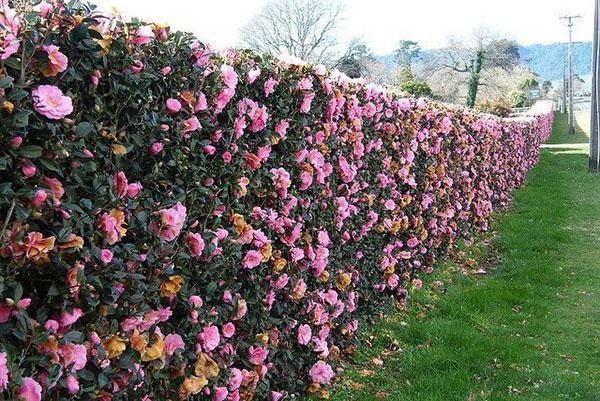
381,23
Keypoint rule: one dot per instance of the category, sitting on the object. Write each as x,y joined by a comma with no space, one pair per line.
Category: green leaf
83,129
31,151
6,82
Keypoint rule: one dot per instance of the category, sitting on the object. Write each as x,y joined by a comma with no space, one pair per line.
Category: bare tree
485,54
302,28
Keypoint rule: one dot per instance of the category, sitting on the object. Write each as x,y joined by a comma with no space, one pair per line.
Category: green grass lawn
561,128
527,330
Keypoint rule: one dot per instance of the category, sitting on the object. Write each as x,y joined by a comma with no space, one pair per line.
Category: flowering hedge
177,222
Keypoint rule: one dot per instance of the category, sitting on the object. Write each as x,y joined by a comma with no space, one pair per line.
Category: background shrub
177,221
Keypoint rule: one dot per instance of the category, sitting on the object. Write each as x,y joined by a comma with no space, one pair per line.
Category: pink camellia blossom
16,141
173,342
68,318
173,105
252,75
27,168
276,395
39,198
51,325
220,394
389,204
195,301
106,256
9,45
156,148
252,259
321,373
166,70
412,242
143,35
259,119
227,157
57,62
304,334
171,222
72,384
3,372
228,330
281,128
202,103
134,189
195,244
306,180
30,390
190,125
269,86
257,355
49,101
209,338
229,76
306,102
120,183
209,150
74,356
24,303
95,78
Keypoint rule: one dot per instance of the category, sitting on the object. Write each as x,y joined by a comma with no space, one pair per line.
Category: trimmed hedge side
178,223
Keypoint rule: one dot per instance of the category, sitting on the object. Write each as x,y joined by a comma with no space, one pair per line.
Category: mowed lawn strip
529,329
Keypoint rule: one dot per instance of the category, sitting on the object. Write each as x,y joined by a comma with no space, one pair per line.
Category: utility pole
594,165
570,24
563,103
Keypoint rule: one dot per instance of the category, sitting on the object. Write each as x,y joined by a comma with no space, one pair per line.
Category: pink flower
74,356
390,204
269,86
306,102
321,373
134,189
68,318
306,180
49,101
220,394
252,75
24,303
209,338
252,259
95,77
257,355
27,168
228,330
276,395
226,157
171,222
195,301
106,256
190,125
173,105
143,35
16,141
412,242
30,390
201,104
39,198
166,70
304,334
72,384
281,127
57,62
156,148
229,76
9,45
173,342
209,150
195,243
259,119
120,184
3,372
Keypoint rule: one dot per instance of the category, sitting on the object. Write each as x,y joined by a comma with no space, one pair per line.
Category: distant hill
545,60
548,61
